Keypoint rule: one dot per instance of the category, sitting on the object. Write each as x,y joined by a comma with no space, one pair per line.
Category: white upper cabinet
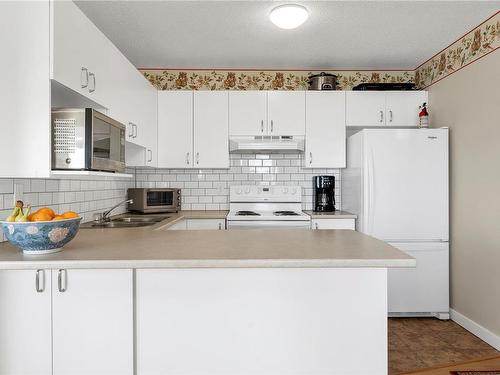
80,52
248,113
325,129
25,104
211,130
402,107
175,129
365,108
25,321
384,108
286,112
93,321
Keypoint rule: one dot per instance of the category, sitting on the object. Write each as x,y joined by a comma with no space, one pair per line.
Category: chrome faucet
104,216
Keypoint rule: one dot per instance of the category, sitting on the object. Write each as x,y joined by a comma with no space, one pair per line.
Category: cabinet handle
150,155
220,226
272,126
84,73
93,82
40,284
310,158
381,116
60,286
131,130
316,226
187,158
390,116
134,126
262,126
197,158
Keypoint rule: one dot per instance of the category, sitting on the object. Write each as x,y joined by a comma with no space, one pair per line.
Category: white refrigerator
396,181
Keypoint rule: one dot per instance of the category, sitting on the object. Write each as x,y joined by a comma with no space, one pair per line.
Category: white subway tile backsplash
83,196
208,189
6,186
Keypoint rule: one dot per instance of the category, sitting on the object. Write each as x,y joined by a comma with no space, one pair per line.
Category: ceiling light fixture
289,16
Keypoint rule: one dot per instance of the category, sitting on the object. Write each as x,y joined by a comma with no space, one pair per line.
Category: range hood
266,143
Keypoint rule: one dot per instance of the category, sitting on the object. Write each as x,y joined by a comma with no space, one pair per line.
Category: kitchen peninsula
198,302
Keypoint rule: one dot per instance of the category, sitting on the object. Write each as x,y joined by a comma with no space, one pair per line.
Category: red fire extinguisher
423,116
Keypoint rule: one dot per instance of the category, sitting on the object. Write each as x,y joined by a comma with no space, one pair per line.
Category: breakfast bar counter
156,247
158,301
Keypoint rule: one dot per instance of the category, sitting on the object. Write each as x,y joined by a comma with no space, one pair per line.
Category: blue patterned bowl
41,237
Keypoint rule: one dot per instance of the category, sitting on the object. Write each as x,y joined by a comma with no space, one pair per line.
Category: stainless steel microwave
85,139
149,201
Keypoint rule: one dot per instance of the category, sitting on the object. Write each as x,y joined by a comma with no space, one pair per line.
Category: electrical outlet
18,193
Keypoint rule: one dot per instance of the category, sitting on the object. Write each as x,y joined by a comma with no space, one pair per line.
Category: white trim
478,330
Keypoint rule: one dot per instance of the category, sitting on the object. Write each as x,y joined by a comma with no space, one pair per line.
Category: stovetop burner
247,213
286,213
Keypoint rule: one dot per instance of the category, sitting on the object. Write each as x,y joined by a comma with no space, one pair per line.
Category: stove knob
247,191
238,191
285,190
294,191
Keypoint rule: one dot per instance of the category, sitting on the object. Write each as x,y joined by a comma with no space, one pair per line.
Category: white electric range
266,207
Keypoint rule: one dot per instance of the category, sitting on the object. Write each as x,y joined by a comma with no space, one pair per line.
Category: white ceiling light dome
289,16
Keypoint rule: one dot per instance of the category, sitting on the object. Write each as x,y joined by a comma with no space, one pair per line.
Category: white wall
469,103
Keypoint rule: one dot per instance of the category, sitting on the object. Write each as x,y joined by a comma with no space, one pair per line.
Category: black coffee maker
324,193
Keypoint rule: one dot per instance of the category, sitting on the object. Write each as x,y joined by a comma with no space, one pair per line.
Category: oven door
161,200
107,144
268,224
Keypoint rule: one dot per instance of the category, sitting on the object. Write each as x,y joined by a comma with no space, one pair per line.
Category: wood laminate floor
420,343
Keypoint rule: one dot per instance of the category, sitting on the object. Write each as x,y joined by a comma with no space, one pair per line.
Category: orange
70,215
41,216
59,217
47,210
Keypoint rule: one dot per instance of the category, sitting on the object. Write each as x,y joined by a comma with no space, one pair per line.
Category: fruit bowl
41,237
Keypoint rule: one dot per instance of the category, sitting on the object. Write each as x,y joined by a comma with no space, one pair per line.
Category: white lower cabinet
88,329
93,321
261,321
199,224
25,322
333,224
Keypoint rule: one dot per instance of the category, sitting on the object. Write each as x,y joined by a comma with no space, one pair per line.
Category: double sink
126,221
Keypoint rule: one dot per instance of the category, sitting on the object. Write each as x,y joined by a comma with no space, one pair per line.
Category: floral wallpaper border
263,80
479,42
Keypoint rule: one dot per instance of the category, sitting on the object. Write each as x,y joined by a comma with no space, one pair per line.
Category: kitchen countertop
154,247
331,215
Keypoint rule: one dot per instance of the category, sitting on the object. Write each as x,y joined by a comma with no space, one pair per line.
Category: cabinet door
365,108
80,53
286,112
25,319
325,129
180,225
211,133
332,224
402,107
25,104
175,129
211,224
248,112
93,321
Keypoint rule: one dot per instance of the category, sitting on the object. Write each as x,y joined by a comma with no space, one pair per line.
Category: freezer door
424,289
406,184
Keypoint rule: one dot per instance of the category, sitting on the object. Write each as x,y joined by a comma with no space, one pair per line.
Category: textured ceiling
238,34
